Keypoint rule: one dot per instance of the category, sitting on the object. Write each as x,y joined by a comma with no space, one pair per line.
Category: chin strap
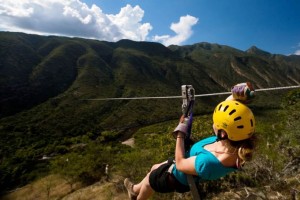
220,136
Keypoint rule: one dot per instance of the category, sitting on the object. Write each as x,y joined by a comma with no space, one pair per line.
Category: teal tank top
207,166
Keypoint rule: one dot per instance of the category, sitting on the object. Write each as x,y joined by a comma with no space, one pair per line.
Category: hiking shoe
129,186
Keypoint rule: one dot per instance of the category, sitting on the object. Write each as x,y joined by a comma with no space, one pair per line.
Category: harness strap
188,94
191,182
193,187
170,168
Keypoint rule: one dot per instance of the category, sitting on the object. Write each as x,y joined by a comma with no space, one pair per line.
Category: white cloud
72,18
128,21
297,52
183,30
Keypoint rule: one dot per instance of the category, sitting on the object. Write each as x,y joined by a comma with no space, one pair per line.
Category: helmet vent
240,127
220,107
226,107
251,121
237,118
231,112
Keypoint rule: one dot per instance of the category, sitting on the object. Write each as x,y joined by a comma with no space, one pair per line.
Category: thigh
159,177
154,167
163,181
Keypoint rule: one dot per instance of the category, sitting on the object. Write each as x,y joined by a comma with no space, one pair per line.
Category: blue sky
271,25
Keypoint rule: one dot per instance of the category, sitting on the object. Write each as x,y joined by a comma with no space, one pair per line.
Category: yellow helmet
235,118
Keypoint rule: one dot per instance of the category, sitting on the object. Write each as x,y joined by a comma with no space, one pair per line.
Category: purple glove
182,126
243,92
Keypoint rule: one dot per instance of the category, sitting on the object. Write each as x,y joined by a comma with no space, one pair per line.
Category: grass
278,145
49,187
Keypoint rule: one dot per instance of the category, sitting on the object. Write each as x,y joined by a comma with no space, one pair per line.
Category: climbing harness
179,97
188,100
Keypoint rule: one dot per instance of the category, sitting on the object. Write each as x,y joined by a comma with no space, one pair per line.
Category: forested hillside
46,84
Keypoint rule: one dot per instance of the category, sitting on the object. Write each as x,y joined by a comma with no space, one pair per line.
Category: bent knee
154,167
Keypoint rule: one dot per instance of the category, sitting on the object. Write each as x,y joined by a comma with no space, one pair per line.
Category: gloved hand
243,92
183,126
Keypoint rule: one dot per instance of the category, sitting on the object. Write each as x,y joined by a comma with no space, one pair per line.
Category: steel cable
199,95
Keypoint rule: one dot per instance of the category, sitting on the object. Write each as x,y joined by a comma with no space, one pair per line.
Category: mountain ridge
38,68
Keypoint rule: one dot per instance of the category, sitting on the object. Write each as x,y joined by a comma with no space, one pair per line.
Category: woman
208,159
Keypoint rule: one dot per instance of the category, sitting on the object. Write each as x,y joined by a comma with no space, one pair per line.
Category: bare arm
185,165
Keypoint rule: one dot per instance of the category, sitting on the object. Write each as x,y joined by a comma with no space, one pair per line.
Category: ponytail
245,149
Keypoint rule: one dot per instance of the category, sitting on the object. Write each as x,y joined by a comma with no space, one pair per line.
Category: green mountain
37,68
46,83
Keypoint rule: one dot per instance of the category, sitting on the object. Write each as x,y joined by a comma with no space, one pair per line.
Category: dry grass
55,187
106,191
50,187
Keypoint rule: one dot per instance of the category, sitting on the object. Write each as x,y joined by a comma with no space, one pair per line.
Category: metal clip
188,95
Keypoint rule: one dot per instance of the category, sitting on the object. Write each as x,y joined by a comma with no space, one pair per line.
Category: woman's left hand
182,127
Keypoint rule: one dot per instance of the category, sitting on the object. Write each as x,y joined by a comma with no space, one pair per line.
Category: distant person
106,172
208,159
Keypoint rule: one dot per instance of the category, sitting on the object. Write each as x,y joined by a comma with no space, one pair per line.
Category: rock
129,142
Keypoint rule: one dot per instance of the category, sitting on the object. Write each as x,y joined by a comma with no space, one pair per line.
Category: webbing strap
191,181
193,187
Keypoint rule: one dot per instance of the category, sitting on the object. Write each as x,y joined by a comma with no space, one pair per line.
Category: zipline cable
199,95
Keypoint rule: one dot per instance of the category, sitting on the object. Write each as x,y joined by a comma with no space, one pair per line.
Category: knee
154,167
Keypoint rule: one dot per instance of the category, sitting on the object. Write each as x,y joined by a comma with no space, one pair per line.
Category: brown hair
245,148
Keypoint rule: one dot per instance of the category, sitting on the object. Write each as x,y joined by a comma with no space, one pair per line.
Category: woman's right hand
243,92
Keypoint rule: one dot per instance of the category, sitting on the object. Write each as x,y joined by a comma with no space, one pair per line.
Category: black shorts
162,181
